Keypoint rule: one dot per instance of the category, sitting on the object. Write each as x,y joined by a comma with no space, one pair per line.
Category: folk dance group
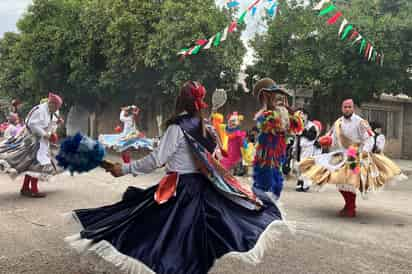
199,212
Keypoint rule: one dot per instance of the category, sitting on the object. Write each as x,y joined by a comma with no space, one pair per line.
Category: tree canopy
94,51
300,49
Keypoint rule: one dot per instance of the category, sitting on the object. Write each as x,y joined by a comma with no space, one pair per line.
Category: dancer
351,166
29,153
236,141
130,138
379,140
275,121
305,146
195,215
13,127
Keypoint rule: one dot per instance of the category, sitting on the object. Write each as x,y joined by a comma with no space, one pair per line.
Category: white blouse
128,123
355,129
173,152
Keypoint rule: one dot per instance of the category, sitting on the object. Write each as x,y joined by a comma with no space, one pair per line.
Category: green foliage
94,52
300,49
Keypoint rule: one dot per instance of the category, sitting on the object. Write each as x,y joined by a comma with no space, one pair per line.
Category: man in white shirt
30,155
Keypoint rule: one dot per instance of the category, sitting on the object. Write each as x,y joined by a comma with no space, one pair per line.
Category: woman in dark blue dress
196,214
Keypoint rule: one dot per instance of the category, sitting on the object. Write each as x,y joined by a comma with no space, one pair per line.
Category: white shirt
380,143
353,128
39,121
128,123
174,152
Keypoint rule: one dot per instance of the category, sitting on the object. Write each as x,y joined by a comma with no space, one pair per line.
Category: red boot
351,209
342,212
25,189
35,190
126,157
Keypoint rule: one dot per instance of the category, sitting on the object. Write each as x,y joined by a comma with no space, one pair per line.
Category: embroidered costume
352,166
29,151
274,125
196,214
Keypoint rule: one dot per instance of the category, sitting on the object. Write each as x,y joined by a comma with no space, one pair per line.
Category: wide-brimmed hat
267,84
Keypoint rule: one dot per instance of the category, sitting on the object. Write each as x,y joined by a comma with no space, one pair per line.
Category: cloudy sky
10,12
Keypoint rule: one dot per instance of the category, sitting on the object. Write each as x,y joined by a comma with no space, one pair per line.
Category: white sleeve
34,122
380,142
123,117
160,156
368,144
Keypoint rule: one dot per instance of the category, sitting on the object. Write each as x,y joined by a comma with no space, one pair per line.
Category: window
390,121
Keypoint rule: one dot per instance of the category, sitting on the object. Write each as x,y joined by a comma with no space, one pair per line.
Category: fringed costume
352,166
29,152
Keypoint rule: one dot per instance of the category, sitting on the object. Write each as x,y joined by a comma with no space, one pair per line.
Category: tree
300,49
95,52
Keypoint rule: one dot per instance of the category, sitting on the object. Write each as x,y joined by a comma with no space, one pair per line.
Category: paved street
378,241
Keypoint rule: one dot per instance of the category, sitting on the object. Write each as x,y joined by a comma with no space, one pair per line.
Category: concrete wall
407,136
393,146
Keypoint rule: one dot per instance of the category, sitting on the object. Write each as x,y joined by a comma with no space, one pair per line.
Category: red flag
201,42
354,35
232,27
334,18
368,47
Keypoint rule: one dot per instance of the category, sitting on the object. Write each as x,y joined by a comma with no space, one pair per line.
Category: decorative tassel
327,10
334,18
346,32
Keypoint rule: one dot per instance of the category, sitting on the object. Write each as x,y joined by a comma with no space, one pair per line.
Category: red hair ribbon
199,92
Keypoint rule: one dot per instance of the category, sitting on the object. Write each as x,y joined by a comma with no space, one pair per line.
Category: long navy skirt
185,235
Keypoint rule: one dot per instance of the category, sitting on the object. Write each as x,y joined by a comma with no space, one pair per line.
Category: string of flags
221,36
348,31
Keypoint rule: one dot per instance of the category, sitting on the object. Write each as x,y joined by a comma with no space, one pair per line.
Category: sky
10,12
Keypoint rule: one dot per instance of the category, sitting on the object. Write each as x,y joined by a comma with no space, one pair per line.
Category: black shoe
299,186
